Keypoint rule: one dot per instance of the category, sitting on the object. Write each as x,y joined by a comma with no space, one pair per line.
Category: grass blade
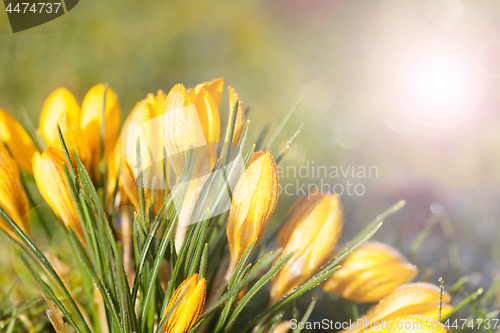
282,125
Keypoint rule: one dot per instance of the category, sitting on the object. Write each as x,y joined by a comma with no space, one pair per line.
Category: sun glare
439,84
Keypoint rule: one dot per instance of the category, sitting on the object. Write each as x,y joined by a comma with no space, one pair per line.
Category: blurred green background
345,59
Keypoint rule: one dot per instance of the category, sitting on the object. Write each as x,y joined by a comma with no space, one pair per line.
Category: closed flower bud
254,199
370,273
12,197
13,135
240,116
408,324
52,184
193,292
408,299
139,126
312,228
58,102
91,121
61,109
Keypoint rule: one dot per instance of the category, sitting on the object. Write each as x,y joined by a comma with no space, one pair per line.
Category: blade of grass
466,301
256,287
236,288
307,314
156,267
282,125
288,145
43,260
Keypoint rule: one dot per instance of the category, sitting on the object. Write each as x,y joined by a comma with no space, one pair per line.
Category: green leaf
422,236
307,314
156,267
282,125
256,287
43,260
236,288
203,261
289,144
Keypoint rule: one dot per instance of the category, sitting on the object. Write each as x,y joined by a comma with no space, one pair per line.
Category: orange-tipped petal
417,298
58,102
13,135
311,231
91,122
240,116
53,186
370,273
193,292
254,199
12,197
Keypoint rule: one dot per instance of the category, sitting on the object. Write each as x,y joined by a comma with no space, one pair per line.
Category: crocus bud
13,135
370,273
240,116
208,116
408,299
61,109
189,308
215,88
58,102
53,186
73,138
91,121
12,197
142,124
407,324
311,230
254,199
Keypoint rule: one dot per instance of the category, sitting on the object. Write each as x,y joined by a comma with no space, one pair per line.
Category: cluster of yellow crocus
412,299
81,127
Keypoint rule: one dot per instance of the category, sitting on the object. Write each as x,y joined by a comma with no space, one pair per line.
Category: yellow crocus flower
13,135
12,197
61,109
370,273
58,102
254,199
52,184
407,324
187,312
91,121
417,298
141,124
311,230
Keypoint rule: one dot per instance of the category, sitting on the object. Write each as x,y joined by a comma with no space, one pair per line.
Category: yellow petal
92,113
60,101
181,127
370,273
142,124
51,181
12,197
188,310
74,139
254,199
311,231
417,298
13,135
240,116
408,324
215,88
